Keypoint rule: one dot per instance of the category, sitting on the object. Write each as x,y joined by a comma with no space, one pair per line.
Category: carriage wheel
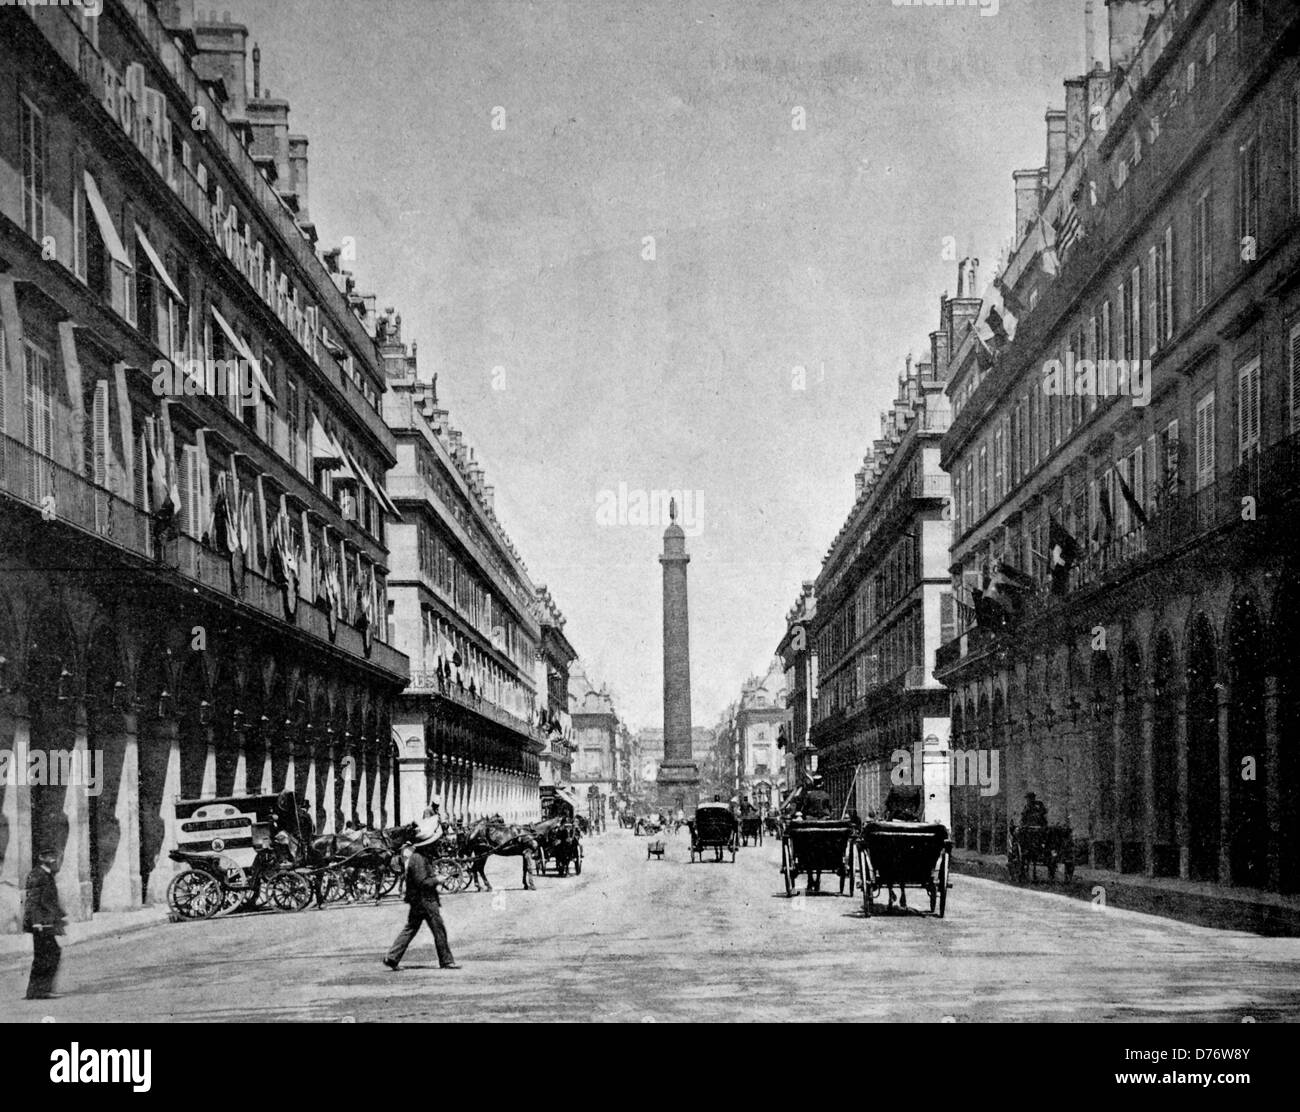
195,894
785,870
333,885
290,891
943,885
445,874
236,887
868,878
466,875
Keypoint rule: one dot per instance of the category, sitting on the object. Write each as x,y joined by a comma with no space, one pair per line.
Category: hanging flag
1064,550
1069,230
1105,528
1131,499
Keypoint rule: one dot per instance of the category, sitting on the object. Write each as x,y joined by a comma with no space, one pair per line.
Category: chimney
1090,35
1055,146
1029,185
1126,21
939,354
297,177
1077,122
257,72
220,54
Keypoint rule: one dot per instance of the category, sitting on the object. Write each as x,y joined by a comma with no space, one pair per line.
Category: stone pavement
659,941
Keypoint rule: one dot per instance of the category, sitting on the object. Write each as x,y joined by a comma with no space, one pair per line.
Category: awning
157,264
323,448
107,232
345,465
374,489
245,351
569,796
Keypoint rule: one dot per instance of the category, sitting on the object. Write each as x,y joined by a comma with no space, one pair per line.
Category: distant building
555,717
761,719
800,660
596,727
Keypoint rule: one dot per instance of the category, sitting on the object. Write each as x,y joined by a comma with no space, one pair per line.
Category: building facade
465,612
1143,682
555,717
761,720
596,735
193,599
799,659
883,600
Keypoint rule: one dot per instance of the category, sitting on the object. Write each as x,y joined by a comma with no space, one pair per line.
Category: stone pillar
1272,785
76,887
1118,719
1182,819
17,853
120,888
361,761
308,791
375,799
239,738
266,780
1224,693
168,735
290,768
678,774
1148,784
209,787
330,804
388,772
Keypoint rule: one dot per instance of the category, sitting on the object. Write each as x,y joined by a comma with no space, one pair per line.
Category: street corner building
877,717
487,707
194,580
1128,599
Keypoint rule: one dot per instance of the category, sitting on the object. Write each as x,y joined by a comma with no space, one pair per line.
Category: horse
494,836
751,826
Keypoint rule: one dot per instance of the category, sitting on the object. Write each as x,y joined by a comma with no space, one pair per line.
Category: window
984,480
1248,411
1165,288
1205,441
1104,351
1191,77
38,408
1211,49
1135,348
292,420
1202,248
1169,463
1248,198
1124,332
31,126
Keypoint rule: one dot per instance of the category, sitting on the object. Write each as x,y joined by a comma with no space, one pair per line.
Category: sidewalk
1207,905
16,949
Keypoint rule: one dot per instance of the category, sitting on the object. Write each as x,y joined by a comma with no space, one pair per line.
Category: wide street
662,941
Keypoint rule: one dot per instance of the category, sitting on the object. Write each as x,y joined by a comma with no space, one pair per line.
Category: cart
1031,846
816,846
714,828
905,854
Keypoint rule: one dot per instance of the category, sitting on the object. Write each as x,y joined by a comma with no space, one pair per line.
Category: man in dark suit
422,895
43,919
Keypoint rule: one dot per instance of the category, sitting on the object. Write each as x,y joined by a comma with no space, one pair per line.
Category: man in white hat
422,895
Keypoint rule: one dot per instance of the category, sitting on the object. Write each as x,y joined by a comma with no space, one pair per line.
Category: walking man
43,919
422,895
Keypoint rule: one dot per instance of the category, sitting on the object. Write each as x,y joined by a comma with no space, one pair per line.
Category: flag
1048,259
1068,230
1064,551
1105,528
1131,499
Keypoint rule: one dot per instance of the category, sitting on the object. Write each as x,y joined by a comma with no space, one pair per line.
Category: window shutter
1153,302
1205,441
1247,410
1293,354
1151,497
1119,504
186,486
1167,291
1139,477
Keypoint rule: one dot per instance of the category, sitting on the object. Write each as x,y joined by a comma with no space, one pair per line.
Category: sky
620,281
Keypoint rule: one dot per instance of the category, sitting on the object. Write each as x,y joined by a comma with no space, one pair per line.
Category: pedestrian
422,896
43,919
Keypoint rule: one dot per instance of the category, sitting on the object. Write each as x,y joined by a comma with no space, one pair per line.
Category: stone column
266,780
239,730
291,765
168,735
1182,818
330,804
361,760
74,880
209,787
389,809
678,773
308,792
120,888
1224,693
1118,720
1148,784
1272,786
16,858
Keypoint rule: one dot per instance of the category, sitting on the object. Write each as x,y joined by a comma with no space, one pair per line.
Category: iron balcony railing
431,683
60,494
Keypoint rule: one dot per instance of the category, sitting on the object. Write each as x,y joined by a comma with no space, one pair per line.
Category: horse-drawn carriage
714,827
897,853
559,846
231,859
816,846
751,828
1029,846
